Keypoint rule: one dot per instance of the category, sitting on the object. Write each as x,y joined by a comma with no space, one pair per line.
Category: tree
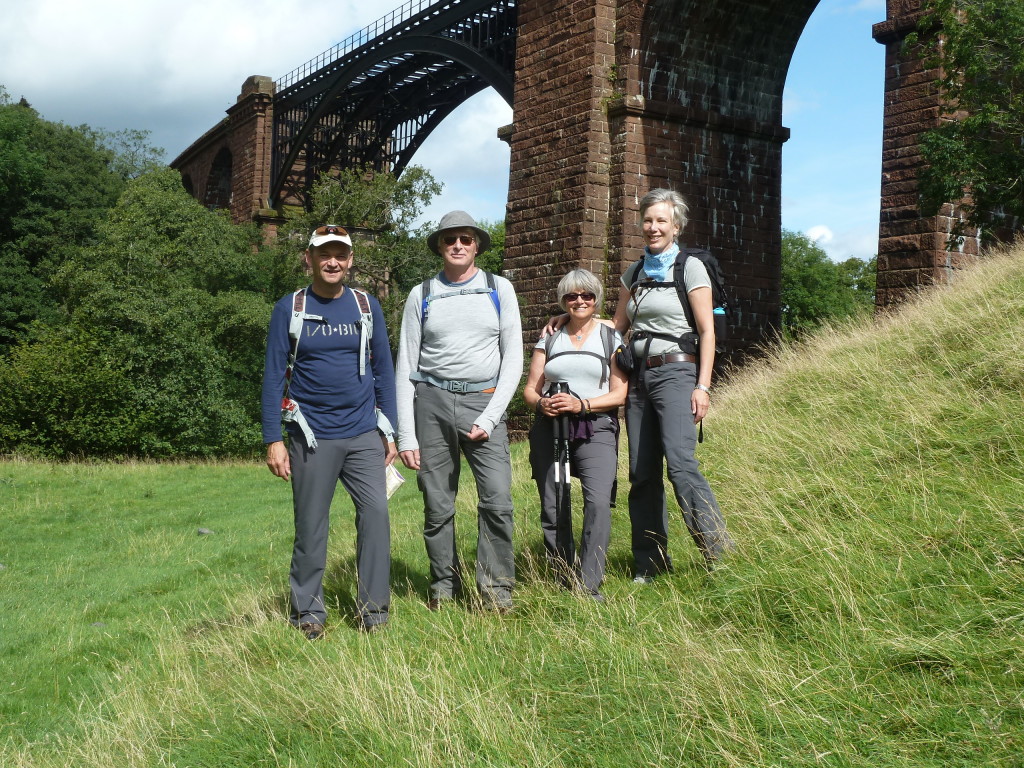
390,257
56,185
816,289
975,156
494,258
133,155
161,349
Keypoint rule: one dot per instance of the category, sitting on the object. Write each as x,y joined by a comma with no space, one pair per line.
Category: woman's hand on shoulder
554,324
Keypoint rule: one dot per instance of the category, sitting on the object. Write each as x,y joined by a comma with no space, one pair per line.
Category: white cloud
172,70
820,234
466,155
860,242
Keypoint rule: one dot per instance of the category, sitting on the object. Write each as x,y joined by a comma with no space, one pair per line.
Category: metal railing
357,40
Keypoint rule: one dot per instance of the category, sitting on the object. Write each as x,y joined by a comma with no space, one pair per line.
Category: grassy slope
872,476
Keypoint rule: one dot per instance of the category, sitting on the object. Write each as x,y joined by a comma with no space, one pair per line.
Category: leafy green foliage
816,289
166,314
133,154
494,257
976,154
56,183
390,258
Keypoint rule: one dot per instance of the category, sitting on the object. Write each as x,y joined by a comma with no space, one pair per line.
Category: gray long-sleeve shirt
462,339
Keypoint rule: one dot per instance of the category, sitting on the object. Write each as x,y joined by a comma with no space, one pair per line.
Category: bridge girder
377,104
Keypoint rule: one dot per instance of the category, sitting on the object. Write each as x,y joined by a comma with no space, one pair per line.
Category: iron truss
374,98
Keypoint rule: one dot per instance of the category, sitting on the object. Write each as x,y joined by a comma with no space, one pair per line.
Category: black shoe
372,629
312,630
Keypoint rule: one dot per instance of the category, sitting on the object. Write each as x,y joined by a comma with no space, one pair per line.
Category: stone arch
698,108
218,183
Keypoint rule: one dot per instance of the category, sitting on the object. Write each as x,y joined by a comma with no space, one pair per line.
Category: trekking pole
563,500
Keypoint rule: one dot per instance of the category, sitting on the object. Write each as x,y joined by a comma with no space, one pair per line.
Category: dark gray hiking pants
660,429
359,463
442,421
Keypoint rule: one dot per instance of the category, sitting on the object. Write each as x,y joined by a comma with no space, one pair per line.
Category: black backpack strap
608,342
608,338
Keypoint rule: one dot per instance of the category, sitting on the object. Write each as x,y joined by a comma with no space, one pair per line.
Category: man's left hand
476,434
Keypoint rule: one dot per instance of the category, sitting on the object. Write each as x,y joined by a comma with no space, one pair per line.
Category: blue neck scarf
657,265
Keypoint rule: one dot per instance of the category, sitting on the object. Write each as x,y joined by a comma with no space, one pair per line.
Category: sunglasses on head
573,296
464,239
330,229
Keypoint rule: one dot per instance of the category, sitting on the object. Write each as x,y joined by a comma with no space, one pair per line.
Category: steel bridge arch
379,107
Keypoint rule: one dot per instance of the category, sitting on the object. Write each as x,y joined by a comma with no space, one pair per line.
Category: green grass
873,477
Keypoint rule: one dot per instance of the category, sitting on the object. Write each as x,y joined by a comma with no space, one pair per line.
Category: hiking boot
439,603
500,605
312,630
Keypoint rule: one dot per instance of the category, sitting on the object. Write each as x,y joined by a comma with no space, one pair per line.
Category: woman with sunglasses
576,387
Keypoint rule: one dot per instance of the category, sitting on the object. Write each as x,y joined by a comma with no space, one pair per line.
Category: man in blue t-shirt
338,385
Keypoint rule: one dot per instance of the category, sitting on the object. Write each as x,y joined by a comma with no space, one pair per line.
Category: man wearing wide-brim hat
459,363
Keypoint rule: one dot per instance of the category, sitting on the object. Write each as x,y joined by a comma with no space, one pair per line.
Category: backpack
290,410
428,297
299,315
719,296
607,338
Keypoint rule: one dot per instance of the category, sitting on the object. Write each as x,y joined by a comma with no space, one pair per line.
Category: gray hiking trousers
594,462
359,463
660,429
443,420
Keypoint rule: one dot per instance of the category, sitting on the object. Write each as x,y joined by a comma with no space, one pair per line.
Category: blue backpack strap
426,297
493,285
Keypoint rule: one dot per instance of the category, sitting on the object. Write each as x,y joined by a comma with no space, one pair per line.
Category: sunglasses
573,296
330,229
464,239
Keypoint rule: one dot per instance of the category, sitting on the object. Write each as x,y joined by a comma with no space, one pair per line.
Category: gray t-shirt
658,309
582,372
462,339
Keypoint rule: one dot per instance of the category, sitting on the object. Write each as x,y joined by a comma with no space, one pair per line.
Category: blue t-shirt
336,402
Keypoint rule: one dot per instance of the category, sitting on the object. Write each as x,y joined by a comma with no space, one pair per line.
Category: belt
485,387
654,361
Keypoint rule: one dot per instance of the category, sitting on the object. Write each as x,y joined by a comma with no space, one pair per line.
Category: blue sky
173,69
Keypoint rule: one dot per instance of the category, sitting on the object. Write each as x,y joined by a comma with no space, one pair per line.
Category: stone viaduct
614,97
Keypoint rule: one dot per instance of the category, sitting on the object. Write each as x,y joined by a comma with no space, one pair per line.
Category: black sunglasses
464,239
573,296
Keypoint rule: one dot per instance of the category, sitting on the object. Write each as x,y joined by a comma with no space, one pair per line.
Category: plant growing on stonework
975,156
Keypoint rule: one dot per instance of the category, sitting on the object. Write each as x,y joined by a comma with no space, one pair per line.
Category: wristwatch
702,388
